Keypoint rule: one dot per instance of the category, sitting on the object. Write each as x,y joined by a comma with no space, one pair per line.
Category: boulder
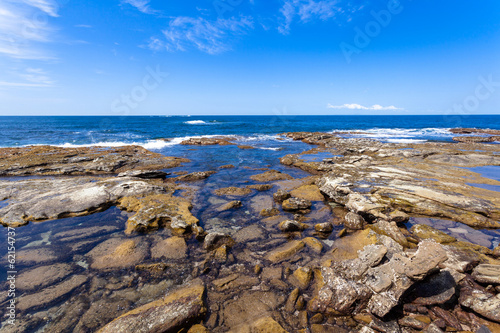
290,226
354,221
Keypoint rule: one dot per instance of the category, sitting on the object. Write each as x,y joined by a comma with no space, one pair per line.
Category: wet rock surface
50,160
180,258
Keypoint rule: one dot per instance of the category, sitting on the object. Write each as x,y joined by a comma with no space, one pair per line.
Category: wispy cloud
22,31
29,78
212,37
141,5
375,107
85,26
308,10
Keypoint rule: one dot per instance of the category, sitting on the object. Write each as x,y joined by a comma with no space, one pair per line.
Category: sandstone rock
487,274
291,300
267,212
235,282
314,244
260,187
204,141
250,233
226,166
100,313
425,232
198,329
285,251
170,248
42,276
51,160
43,199
195,176
281,195
82,233
302,277
246,147
155,211
117,253
296,204
290,226
233,191
354,221
496,252
481,302
390,229
398,216
238,313
307,192
35,256
216,239
230,205
176,310
325,227
50,294
270,176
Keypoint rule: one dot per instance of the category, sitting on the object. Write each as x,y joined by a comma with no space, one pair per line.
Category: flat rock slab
51,160
118,253
487,274
42,276
170,248
175,311
49,199
286,251
51,294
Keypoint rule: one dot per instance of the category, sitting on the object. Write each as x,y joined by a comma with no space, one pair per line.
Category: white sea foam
269,148
196,122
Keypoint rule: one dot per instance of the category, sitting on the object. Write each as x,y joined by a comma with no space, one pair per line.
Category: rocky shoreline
344,249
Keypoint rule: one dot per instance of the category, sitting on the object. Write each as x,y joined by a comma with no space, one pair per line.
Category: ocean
147,130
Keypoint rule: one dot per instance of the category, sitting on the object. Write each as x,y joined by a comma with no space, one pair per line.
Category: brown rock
313,244
296,204
308,192
267,212
285,251
325,227
233,191
230,205
117,253
195,176
354,221
290,226
170,248
260,187
42,276
50,294
204,141
270,176
281,195
174,311
425,232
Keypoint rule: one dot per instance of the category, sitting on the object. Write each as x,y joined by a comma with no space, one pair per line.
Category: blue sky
276,57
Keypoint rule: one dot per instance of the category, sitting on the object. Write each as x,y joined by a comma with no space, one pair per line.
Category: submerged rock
176,310
50,294
170,248
118,253
233,191
42,276
230,205
425,232
194,176
270,176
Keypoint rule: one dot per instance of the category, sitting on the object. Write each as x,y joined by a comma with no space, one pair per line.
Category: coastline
336,241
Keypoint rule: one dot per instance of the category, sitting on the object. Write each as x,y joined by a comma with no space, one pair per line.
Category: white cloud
141,5
307,10
208,36
85,26
22,28
375,107
28,78
47,6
